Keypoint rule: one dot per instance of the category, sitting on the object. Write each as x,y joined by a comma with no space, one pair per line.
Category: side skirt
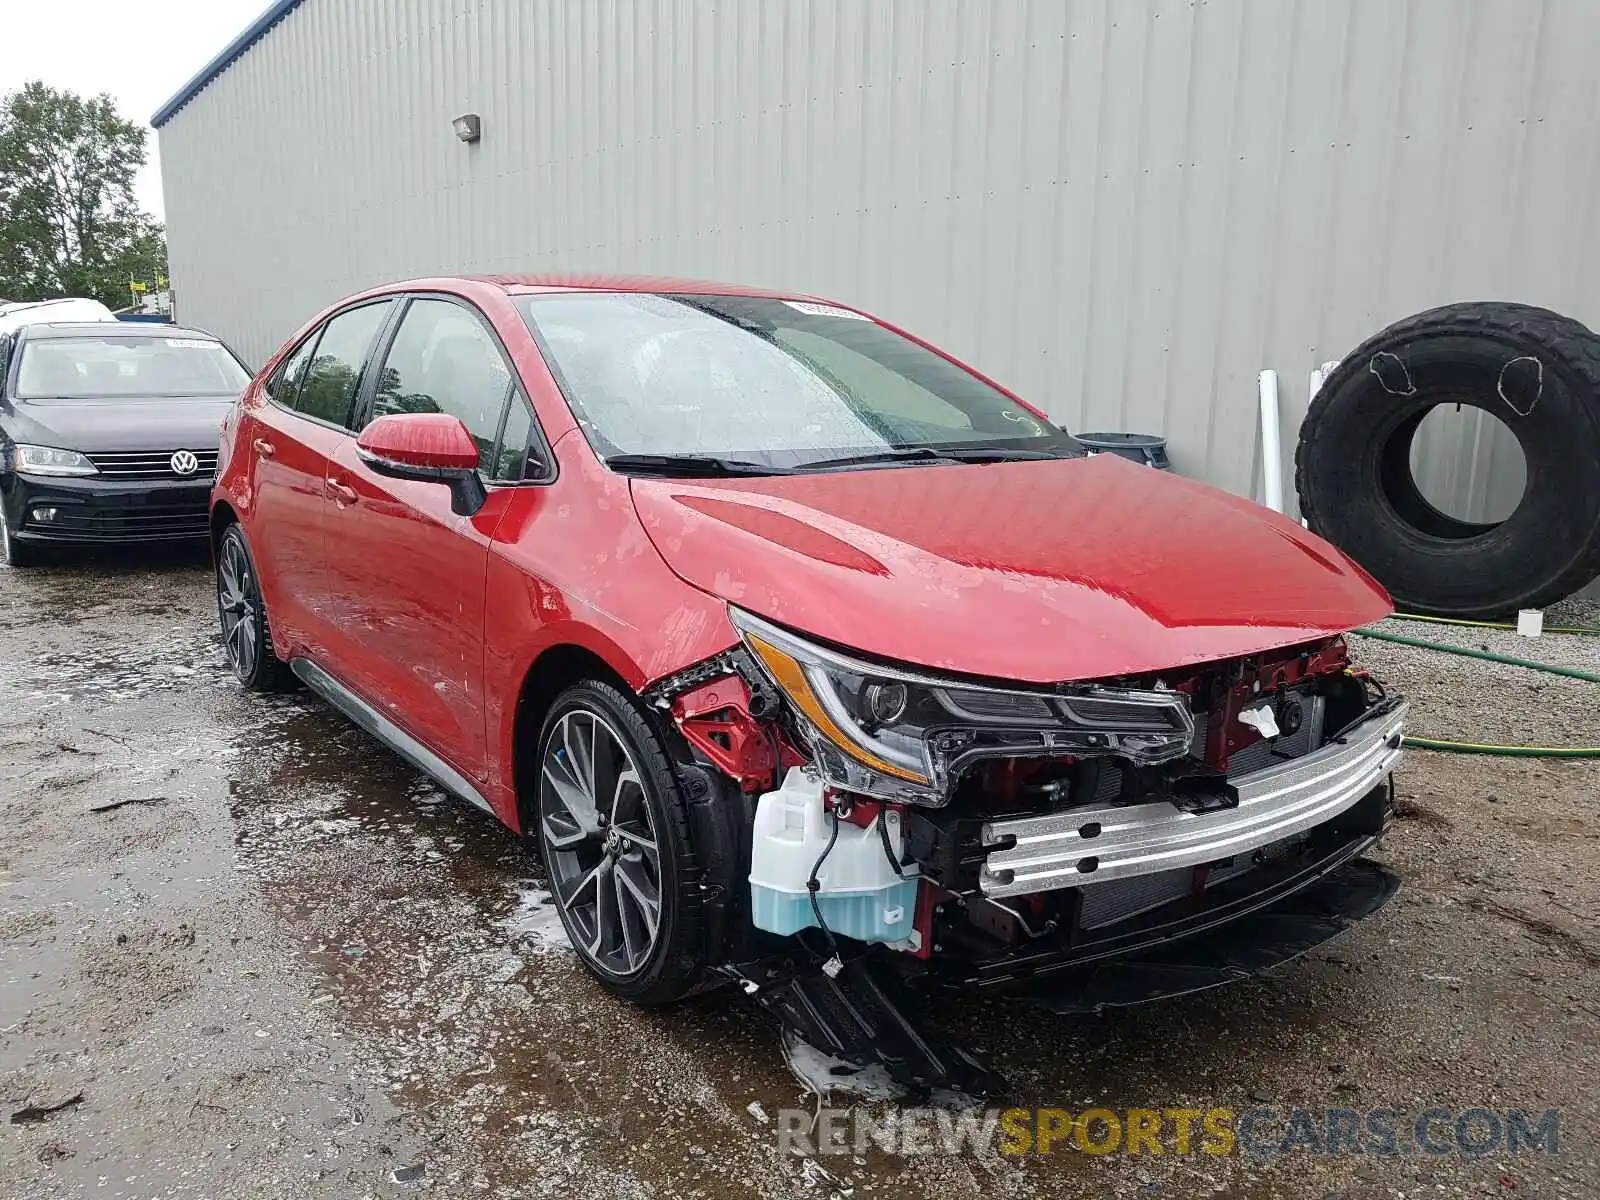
387,732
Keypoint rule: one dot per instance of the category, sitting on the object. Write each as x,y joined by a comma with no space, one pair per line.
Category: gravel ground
1468,699
293,968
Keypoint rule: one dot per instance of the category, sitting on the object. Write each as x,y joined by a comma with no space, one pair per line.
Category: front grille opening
152,464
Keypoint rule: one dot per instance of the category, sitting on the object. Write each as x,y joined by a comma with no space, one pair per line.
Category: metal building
1124,209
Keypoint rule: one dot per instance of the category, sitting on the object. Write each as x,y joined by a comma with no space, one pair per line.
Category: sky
140,51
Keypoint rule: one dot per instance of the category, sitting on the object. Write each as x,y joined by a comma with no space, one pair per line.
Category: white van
38,312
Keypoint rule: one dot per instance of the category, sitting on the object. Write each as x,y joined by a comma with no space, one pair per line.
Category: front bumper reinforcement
1083,846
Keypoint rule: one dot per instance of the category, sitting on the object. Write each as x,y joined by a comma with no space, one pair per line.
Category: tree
69,223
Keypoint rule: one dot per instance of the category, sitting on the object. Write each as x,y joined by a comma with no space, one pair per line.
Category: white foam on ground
822,1074
536,921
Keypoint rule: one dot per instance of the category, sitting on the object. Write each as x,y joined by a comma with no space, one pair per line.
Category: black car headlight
47,460
907,735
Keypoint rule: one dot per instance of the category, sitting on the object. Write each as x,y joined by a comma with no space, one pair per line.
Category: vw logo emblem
185,463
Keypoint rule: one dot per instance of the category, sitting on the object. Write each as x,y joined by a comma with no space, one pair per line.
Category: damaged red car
808,658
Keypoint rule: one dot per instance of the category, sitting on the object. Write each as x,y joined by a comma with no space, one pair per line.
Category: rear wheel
614,835
246,636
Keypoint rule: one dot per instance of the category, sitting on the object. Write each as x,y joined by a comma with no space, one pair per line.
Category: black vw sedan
109,433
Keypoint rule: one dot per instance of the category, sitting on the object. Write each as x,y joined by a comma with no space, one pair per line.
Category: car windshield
759,383
87,367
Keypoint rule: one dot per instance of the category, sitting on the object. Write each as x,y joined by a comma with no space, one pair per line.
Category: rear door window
443,360
329,389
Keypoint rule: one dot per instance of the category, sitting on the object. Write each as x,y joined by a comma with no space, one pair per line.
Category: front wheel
12,552
246,636
615,840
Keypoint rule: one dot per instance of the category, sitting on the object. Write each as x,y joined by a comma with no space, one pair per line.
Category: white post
1271,442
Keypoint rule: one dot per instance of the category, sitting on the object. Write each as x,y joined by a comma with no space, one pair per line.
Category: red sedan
808,657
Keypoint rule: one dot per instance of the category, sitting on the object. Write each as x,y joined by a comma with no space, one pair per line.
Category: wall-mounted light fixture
468,127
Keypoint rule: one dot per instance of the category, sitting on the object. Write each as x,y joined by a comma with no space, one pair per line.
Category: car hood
126,423
1042,571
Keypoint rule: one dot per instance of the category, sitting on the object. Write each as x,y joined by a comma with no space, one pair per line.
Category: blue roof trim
235,50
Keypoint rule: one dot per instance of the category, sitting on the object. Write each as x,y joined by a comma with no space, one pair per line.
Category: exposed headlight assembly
46,460
905,735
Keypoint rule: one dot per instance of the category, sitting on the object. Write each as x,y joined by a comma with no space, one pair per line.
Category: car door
406,574
292,440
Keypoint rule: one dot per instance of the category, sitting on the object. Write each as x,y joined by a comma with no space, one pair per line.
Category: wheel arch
556,668
718,816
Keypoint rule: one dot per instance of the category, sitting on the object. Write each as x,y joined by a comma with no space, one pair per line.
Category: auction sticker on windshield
824,310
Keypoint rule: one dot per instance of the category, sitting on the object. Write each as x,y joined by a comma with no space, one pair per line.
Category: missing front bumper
863,1012
1093,845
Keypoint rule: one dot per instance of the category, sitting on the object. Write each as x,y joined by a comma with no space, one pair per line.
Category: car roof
7,307
518,285
124,329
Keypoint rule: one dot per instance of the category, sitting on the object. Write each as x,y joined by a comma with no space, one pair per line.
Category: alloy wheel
238,602
600,843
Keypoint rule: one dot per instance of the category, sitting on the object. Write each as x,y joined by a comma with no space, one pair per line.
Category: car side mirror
430,448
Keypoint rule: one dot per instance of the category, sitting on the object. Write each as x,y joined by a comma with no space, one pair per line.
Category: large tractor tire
1537,371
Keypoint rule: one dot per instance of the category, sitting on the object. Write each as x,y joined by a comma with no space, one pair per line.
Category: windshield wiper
708,465
934,454
1003,453
689,464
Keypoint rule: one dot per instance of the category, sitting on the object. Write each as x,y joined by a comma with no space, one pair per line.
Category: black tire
1537,371
675,962
12,552
242,615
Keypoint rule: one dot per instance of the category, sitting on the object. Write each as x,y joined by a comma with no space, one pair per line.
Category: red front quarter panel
571,565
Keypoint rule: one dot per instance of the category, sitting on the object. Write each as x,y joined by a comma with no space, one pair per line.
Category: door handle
264,448
342,495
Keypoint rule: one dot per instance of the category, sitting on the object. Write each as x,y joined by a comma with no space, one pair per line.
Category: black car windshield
757,382
96,367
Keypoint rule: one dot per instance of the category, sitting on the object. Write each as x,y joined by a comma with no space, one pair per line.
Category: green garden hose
1486,655
1489,656
1416,743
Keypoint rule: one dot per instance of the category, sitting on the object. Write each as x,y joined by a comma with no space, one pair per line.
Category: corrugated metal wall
1122,208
